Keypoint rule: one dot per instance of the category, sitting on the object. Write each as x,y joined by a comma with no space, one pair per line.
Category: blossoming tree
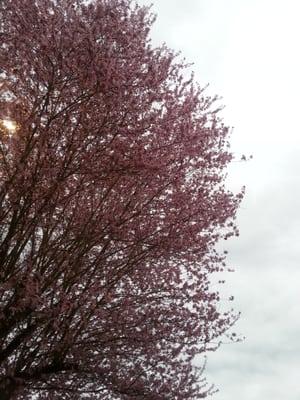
112,200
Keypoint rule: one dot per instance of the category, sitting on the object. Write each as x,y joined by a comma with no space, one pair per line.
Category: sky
248,53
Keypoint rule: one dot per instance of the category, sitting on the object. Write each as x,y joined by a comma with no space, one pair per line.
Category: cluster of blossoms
112,200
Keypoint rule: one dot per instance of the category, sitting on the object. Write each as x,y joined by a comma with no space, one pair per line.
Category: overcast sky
248,51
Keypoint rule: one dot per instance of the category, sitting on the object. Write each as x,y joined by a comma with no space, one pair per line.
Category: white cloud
248,51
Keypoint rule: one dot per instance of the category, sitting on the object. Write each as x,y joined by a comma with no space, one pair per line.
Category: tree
112,200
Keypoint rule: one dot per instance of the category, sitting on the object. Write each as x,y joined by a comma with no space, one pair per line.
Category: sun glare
9,125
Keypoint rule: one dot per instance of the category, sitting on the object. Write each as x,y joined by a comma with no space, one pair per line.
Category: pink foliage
112,200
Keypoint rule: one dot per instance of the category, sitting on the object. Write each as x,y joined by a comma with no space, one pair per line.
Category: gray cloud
247,50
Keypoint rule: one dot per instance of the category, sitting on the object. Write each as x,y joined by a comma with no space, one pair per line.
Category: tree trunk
9,390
